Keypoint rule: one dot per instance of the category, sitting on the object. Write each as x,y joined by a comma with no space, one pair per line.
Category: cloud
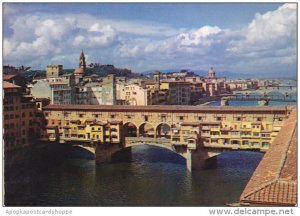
268,38
35,39
270,31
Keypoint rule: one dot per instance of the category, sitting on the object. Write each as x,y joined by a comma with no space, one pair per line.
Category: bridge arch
130,130
127,152
163,130
146,130
84,151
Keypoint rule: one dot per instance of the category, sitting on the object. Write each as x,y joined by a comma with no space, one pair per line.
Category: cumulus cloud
269,38
270,31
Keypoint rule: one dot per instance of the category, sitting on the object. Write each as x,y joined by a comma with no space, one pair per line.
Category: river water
152,177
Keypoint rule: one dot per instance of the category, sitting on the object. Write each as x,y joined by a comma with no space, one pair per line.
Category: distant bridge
281,98
283,90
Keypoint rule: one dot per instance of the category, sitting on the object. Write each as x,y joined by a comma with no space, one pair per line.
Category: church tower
157,80
82,63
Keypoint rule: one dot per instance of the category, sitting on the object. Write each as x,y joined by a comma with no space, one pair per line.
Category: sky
244,38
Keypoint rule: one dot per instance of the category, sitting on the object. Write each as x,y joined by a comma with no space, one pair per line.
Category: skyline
241,38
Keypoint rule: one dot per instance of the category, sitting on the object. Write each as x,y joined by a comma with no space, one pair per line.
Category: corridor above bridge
185,130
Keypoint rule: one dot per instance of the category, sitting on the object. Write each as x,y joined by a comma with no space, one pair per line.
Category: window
199,118
219,118
146,118
180,117
258,119
112,116
255,134
238,118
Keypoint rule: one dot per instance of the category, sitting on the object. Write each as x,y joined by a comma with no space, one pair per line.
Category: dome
211,73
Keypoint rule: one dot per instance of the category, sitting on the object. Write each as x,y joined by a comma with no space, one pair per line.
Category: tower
157,80
82,63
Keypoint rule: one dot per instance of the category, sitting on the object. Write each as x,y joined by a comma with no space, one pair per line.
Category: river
153,177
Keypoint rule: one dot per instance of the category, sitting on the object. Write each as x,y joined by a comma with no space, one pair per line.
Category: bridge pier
198,159
104,153
224,101
263,102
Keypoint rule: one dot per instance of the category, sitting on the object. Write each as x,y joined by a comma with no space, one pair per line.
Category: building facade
134,95
53,71
249,128
21,123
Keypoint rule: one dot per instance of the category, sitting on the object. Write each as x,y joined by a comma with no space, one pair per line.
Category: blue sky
242,38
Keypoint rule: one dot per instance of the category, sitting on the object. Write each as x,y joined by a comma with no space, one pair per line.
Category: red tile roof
7,85
274,181
8,76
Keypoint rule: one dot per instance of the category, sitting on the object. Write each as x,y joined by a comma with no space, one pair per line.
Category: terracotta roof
166,108
115,122
7,85
274,181
8,76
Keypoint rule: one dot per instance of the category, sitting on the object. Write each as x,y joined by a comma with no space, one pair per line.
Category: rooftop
274,181
164,108
8,76
7,85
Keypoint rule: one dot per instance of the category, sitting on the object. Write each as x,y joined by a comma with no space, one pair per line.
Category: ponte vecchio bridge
197,133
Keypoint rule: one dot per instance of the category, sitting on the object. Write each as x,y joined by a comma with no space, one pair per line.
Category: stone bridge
268,91
198,133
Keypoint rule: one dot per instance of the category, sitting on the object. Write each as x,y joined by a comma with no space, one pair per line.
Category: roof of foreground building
274,181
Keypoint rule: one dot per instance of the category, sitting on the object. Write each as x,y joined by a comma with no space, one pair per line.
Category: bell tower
157,80
82,63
